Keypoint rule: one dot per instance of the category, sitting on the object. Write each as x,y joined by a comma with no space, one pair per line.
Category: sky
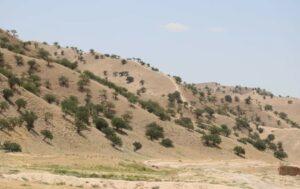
233,42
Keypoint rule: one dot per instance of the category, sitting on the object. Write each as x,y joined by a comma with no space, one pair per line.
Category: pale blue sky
251,43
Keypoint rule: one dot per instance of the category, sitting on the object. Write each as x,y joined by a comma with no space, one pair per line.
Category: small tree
228,98
47,134
42,53
248,100
4,124
19,60
50,98
48,116
116,141
100,123
130,79
29,117
69,105
136,146
21,103
119,123
82,114
32,66
3,106
12,146
7,93
13,81
211,139
270,137
177,79
225,130
260,145
166,142
238,150
154,131
280,154
63,81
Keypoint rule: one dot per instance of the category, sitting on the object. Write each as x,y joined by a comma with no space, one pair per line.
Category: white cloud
217,30
176,27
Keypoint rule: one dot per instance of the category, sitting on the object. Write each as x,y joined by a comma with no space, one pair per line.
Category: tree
47,134
83,82
154,131
136,146
177,79
228,98
4,124
268,107
50,98
124,61
185,122
48,116
166,142
19,60
260,145
119,123
7,93
280,154
248,100
127,116
12,146
82,114
21,103
225,130
209,110
270,137
211,139
198,112
238,150
242,122
100,123
29,117
3,106
116,141
80,126
63,81
42,53
32,66
69,105
130,79
13,81
1,59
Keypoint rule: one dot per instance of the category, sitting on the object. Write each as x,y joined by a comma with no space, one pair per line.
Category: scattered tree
7,94
63,81
136,146
166,142
47,134
154,131
12,146
21,103
29,117
238,150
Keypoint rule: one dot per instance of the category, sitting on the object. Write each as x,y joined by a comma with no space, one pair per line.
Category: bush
63,81
7,93
185,122
270,137
248,100
225,130
21,103
4,124
69,105
12,146
280,154
154,131
238,150
82,114
268,107
283,115
260,145
65,62
211,139
155,108
50,98
168,143
116,141
242,122
19,60
12,81
228,98
130,79
42,53
47,134
119,123
100,123
209,110
3,106
29,117
124,61
136,146
177,79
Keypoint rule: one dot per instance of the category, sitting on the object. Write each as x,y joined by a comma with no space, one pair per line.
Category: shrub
80,126
185,122
65,62
42,53
119,123
211,139
82,114
154,131
29,117
124,61
13,81
47,134
214,130
242,122
3,106
19,60
116,141
7,93
31,87
48,116
260,129
242,140
21,103
209,110
166,142
177,79
136,146
248,100
155,108
12,146
4,124
238,150
50,98
270,137
260,145
69,105
198,112
283,115
83,82
130,79
268,107
100,123
32,66
63,81
280,154
225,130
228,98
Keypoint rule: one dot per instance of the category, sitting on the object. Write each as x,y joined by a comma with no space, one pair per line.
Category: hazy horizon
254,44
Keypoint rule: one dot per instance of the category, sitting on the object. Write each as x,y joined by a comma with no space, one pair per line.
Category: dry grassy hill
200,122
